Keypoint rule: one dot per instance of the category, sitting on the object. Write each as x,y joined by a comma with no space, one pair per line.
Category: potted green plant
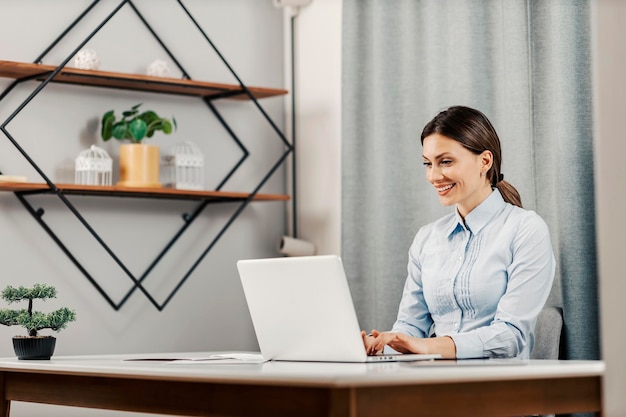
139,163
34,346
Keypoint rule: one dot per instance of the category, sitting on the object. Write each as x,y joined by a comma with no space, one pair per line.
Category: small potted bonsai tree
34,346
139,163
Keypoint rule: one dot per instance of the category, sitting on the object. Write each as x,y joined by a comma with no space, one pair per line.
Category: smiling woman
478,277
528,67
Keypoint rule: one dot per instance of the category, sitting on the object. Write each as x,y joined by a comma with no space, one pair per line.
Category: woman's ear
486,159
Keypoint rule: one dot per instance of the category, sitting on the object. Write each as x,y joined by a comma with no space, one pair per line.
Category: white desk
306,389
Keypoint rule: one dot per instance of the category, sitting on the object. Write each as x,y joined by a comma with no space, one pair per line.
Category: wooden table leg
5,408
5,405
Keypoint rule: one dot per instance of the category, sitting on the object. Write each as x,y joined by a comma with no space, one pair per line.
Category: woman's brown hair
474,131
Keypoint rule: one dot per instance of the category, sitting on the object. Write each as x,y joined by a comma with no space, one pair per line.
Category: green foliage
135,126
34,321
39,291
10,317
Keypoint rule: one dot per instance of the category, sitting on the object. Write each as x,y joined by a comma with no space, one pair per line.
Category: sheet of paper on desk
213,359
223,358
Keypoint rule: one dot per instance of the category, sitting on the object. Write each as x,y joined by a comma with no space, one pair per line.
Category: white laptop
302,310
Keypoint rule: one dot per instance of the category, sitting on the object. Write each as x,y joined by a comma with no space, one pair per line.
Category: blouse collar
480,216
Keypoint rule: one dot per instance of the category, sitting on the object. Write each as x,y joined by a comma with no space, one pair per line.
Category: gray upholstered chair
548,333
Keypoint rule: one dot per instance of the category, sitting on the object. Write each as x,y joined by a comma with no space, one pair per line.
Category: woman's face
458,175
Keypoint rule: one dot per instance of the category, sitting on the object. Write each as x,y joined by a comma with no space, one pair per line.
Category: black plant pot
34,348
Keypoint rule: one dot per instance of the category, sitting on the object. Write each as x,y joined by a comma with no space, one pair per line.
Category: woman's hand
376,341
368,341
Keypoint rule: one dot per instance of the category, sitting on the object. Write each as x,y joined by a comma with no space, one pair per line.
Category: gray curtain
527,66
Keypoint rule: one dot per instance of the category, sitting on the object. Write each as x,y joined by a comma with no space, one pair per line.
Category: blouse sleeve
413,315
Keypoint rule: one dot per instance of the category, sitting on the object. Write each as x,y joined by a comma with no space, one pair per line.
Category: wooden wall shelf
137,82
160,193
22,72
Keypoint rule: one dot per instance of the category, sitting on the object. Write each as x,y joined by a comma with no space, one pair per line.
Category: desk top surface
304,373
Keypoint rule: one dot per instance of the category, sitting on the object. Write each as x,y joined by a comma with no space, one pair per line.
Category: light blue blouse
482,282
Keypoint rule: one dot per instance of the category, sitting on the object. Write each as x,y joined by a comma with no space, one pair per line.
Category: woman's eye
426,164
446,162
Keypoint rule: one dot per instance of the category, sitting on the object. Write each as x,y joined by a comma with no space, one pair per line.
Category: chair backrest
548,333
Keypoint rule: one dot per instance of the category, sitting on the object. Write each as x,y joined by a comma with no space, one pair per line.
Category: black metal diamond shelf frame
188,218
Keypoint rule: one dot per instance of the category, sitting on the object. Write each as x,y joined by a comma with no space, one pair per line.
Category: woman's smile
443,189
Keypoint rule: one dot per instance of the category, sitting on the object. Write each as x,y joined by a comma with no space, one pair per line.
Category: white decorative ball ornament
159,68
87,59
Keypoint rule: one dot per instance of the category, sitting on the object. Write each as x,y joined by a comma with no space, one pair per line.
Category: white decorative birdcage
93,167
184,167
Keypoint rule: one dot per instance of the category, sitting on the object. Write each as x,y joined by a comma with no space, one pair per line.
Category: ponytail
509,193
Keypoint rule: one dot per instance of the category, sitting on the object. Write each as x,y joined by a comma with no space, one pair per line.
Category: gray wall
610,95
209,312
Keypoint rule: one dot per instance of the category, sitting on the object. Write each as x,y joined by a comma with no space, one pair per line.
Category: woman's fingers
376,341
367,341
380,340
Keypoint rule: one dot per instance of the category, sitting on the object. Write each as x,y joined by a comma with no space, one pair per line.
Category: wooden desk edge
141,393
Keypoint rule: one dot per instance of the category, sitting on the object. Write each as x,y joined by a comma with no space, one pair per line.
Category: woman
477,278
